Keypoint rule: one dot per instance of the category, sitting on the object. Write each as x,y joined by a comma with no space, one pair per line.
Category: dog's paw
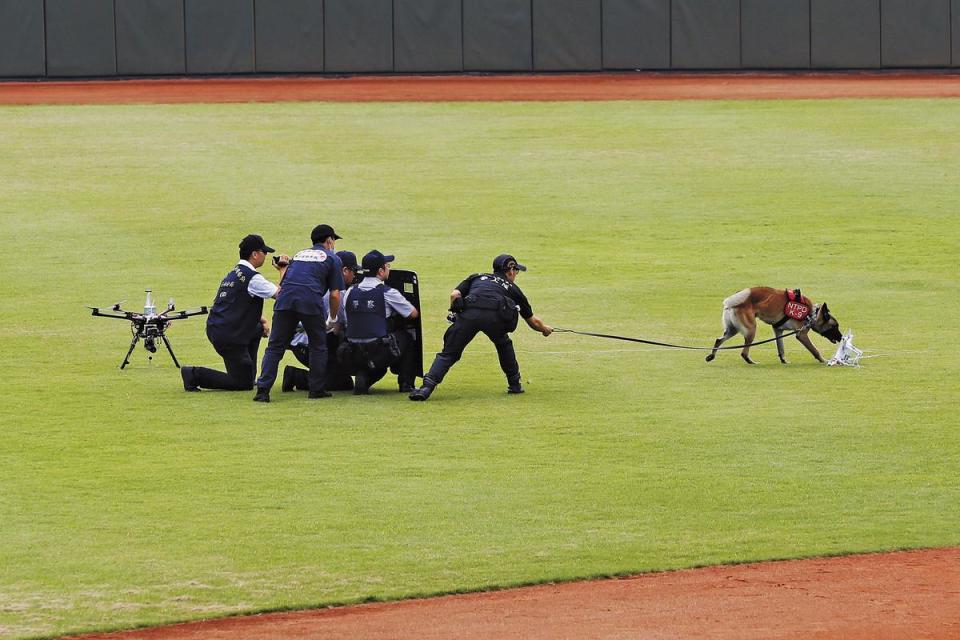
710,357
747,359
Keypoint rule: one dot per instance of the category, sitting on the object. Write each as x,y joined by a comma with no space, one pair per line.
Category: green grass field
125,501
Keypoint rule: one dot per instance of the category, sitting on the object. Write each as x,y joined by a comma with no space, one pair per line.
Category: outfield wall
82,38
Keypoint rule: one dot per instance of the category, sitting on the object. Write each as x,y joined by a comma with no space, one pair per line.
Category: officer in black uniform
236,323
489,303
376,335
311,273
338,377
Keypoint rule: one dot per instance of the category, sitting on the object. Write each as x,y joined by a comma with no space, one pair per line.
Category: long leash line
667,344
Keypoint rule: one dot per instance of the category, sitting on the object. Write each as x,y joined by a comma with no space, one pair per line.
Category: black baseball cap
322,232
505,261
349,260
252,243
374,260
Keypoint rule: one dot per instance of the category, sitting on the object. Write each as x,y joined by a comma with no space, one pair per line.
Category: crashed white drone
847,354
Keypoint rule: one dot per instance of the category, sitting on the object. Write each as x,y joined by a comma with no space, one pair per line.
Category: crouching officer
489,303
338,377
312,273
376,337
236,323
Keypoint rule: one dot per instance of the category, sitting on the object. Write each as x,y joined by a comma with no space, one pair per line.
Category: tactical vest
305,281
235,314
366,313
490,292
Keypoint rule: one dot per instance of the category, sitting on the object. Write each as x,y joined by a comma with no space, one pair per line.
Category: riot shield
406,283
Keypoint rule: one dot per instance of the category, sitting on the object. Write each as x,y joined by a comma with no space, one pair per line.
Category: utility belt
376,354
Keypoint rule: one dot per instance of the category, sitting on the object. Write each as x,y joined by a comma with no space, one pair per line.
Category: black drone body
148,326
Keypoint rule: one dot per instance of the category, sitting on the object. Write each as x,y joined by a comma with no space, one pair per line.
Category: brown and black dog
784,309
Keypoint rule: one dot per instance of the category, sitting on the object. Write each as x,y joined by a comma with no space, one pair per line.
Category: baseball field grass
125,501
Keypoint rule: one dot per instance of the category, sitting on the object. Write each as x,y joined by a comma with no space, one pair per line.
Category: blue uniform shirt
312,273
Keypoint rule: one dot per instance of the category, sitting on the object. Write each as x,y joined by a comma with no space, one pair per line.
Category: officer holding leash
489,303
338,378
376,337
311,273
236,324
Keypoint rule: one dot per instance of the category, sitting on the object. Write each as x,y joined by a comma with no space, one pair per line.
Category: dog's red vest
798,306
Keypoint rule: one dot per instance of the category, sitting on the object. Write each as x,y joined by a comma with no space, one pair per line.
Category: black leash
666,344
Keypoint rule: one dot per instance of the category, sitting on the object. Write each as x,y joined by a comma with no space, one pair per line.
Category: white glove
331,323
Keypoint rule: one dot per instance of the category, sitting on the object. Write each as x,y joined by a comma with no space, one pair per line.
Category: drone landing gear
148,344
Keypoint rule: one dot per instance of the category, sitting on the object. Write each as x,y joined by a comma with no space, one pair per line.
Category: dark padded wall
80,38
566,35
359,35
705,34
219,35
427,35
775,34
497,35
21,38
289,35
845,33
915,33
150,37
636,34
956,33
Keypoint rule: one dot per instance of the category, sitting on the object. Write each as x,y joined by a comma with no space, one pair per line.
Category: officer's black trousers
241,363
467,325
338,378
405,366
284,326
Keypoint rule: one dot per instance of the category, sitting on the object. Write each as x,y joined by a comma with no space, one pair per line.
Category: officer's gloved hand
456,306
331,323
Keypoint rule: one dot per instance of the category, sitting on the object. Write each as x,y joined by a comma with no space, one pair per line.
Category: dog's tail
736,299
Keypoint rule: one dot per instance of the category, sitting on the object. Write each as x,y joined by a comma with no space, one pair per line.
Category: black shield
408,285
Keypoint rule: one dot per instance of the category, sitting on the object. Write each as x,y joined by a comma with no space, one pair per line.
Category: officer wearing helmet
488,303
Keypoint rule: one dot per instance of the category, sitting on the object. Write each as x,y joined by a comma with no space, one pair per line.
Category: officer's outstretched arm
539,325
334,303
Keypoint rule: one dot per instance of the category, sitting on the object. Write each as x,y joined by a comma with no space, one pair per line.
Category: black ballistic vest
366,314
235,314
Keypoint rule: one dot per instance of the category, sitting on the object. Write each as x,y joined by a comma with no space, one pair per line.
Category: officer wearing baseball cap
376,336
338,377
489,303
312,273
236,323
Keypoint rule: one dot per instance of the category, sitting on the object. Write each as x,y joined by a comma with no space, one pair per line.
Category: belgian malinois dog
786,310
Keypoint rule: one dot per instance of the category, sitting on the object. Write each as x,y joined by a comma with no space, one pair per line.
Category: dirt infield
909,595
621,86
913,594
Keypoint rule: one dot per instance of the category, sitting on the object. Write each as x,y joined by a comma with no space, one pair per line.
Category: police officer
487,303
375,335
311,273
338,378
236,323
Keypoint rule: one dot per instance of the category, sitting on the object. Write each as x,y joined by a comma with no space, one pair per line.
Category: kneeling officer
487,303
376,337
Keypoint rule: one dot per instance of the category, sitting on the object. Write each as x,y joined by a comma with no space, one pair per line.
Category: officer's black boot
514,386
423,392
361,384
319,394
263,395
288,383
189,380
